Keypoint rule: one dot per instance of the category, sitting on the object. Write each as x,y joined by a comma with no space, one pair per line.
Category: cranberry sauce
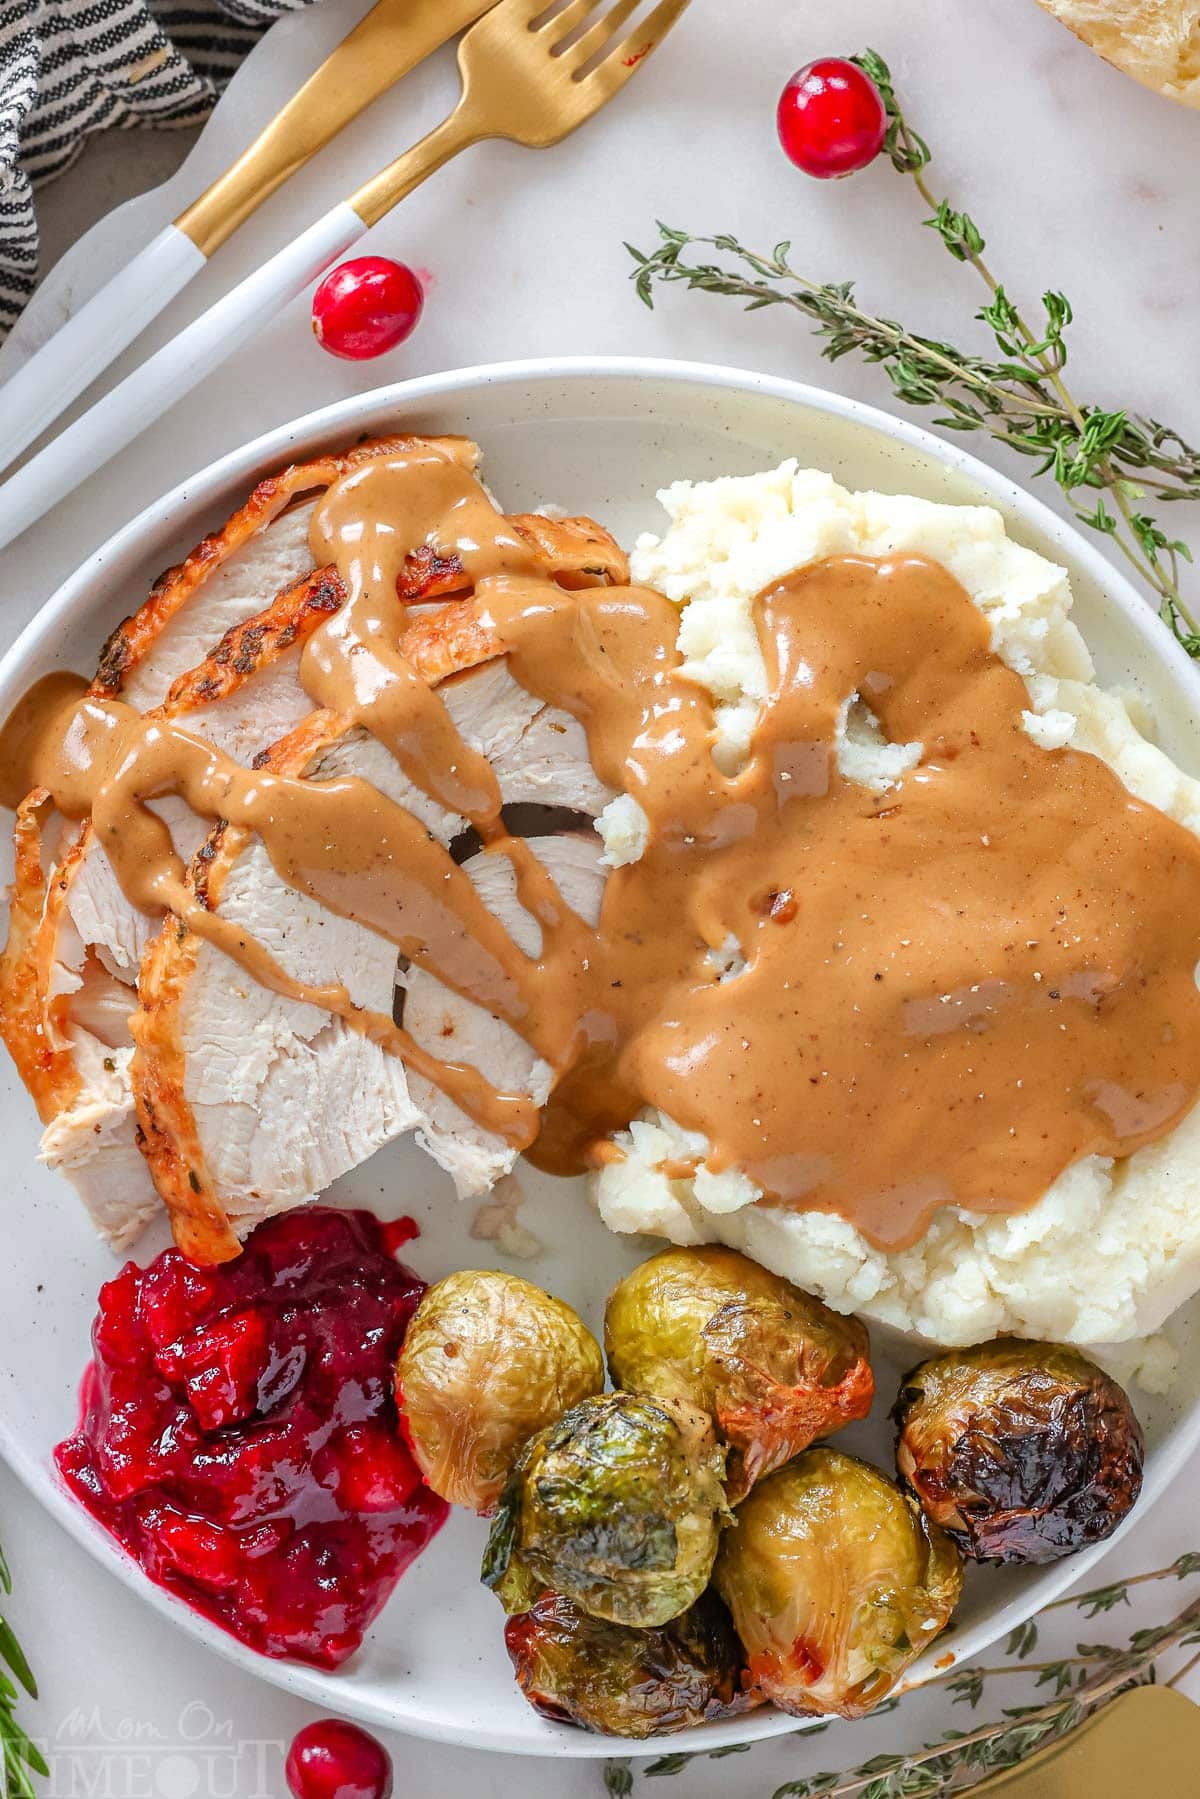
238,1433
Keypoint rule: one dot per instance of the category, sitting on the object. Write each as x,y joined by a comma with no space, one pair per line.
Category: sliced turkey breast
219,638
90,946
284,1099
253,1102
231,573
243,696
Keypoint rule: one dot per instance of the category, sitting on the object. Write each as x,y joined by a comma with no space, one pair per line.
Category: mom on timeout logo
93,1757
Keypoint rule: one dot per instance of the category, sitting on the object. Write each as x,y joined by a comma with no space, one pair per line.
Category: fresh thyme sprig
1018,394
1082,1683
19,1756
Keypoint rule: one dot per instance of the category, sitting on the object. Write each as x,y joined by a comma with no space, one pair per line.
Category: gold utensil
1147,1741
382,48
527,77
393,37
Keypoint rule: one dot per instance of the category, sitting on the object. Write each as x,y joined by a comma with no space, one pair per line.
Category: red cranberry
366,306
831,119
332,1760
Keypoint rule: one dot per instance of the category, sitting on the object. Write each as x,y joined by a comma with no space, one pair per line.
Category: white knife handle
152,389
44,386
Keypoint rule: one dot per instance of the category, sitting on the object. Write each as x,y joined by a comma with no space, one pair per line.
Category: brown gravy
951,992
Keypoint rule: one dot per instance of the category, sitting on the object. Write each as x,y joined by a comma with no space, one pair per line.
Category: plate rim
243,460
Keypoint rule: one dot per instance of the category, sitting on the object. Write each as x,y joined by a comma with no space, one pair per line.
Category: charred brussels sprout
1024,1452
836,1581
487,1361
577,1669
773,1367
617,1506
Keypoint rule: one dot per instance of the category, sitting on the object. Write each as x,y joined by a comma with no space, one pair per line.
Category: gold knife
1146,1742
393,37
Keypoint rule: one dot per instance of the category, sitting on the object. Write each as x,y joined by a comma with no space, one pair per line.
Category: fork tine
629,55
599,34
566,20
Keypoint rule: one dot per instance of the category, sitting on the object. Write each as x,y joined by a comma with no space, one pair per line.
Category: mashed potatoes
1113,1247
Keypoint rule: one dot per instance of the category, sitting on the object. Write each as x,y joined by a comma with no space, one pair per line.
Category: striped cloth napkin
72,67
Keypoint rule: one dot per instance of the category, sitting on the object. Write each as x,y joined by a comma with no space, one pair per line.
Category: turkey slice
202,643
92,938
253,1102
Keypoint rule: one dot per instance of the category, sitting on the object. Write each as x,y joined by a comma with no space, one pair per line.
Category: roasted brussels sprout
836,1581
577,1669
772,1366
1024,1452
617,1506
488,1360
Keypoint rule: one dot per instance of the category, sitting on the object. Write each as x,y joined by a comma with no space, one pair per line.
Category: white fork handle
44,386
150,390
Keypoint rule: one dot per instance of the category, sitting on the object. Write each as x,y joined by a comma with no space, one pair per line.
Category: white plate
597,437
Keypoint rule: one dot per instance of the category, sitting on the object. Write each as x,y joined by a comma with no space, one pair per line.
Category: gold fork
526,76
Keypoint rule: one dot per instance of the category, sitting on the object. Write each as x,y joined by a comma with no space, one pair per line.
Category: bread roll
1155,41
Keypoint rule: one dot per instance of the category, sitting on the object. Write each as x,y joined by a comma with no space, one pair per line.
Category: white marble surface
1079,179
